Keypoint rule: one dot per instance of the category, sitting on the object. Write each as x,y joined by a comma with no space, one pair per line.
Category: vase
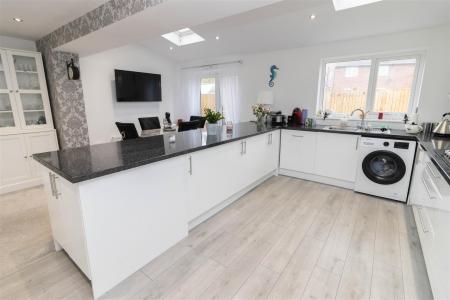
212,128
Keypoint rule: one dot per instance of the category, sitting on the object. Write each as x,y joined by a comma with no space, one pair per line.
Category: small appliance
384,167
277,118
443,128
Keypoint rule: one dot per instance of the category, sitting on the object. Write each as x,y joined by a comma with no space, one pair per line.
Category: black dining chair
191,125
199,118
127,130
149,123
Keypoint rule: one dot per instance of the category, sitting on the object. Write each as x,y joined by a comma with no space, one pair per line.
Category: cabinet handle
50,175
17,91
422,222
245,147
357,143
25,156
11,91
57,194
269,138
190,165
242,147
427,188
297,136
430,168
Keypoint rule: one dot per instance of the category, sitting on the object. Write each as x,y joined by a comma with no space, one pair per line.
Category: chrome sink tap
363,124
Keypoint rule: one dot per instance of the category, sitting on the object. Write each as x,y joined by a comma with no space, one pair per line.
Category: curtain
188,103
229,96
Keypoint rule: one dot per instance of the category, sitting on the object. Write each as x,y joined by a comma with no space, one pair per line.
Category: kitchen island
114,207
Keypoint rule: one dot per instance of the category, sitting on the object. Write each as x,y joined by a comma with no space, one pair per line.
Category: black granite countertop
84,163
434,147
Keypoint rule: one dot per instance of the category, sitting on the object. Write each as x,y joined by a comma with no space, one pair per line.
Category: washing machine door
384,167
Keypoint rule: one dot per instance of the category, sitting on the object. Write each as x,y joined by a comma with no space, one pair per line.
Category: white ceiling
287,24
40,16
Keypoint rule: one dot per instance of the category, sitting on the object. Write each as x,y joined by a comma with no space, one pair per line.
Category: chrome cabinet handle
242,147
269,139
190,165
297,136
427,188
245,147
357,143
50,175
430,168
57,194
422,222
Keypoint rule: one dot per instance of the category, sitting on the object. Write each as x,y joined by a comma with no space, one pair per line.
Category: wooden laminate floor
287,239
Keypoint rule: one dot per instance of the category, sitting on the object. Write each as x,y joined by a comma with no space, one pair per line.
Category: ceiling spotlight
170,48
17,19
312,17
217,37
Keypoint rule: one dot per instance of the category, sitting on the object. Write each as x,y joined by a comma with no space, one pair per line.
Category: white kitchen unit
430,198
319,156
134,215
26,125
227,172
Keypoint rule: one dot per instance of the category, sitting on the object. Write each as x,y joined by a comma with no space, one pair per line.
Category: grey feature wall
66,96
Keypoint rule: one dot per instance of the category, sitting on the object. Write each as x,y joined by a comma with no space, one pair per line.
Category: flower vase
212,128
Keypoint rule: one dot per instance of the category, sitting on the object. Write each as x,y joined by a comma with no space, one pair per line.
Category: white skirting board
317,178
14,187
200,219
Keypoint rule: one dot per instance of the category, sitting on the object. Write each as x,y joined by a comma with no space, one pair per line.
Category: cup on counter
309,122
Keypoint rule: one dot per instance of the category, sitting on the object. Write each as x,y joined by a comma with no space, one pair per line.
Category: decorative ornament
73,73
273,75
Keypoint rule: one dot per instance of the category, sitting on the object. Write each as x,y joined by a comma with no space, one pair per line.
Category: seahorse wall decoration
273,75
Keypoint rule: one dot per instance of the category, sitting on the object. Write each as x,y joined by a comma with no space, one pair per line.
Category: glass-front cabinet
24,103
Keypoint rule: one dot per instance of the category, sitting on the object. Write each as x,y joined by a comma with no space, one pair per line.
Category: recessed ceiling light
217,37
183,37
17,19
170,48
312,17
345,4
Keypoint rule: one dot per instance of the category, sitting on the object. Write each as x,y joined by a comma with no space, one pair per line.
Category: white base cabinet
124,217
218,173
18,170
325,157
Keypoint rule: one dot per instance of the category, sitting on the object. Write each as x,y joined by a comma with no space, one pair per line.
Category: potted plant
212,117
260,111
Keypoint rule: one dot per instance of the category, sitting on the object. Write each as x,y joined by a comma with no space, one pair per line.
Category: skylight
345,4
183,37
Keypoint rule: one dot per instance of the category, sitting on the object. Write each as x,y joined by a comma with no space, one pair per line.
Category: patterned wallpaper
66,96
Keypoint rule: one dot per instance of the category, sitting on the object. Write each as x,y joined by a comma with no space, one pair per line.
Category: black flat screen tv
137,87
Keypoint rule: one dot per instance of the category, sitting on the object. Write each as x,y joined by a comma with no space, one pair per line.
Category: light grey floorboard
285,239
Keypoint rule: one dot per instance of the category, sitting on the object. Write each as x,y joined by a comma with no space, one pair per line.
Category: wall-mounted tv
137,87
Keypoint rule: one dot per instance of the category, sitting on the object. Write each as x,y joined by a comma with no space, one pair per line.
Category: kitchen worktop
434,147
84,163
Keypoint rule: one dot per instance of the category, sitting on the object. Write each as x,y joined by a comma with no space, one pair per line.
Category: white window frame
375,59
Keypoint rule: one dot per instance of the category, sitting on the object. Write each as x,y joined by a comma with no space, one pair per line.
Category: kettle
443,128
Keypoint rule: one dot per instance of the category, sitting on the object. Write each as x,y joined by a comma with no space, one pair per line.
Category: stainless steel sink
356,129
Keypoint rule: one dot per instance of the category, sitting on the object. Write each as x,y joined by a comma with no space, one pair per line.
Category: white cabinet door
37,143
30,89
9,118
209,178
14,166
298,150
337,156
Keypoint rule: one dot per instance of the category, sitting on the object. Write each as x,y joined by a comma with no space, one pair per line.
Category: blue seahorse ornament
273,75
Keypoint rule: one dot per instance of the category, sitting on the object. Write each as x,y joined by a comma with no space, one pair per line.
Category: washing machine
384,167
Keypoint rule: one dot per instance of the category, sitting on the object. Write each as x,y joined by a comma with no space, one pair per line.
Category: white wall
102,109
16,43
297,81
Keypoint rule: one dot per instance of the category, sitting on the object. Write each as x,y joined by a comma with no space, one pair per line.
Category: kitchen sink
356,129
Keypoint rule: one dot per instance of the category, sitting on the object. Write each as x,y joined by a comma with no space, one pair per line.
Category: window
376,84
208,98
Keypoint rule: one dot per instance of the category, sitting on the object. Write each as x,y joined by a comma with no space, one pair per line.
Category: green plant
213,116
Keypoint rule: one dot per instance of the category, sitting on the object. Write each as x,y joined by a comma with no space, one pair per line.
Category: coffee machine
278,119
